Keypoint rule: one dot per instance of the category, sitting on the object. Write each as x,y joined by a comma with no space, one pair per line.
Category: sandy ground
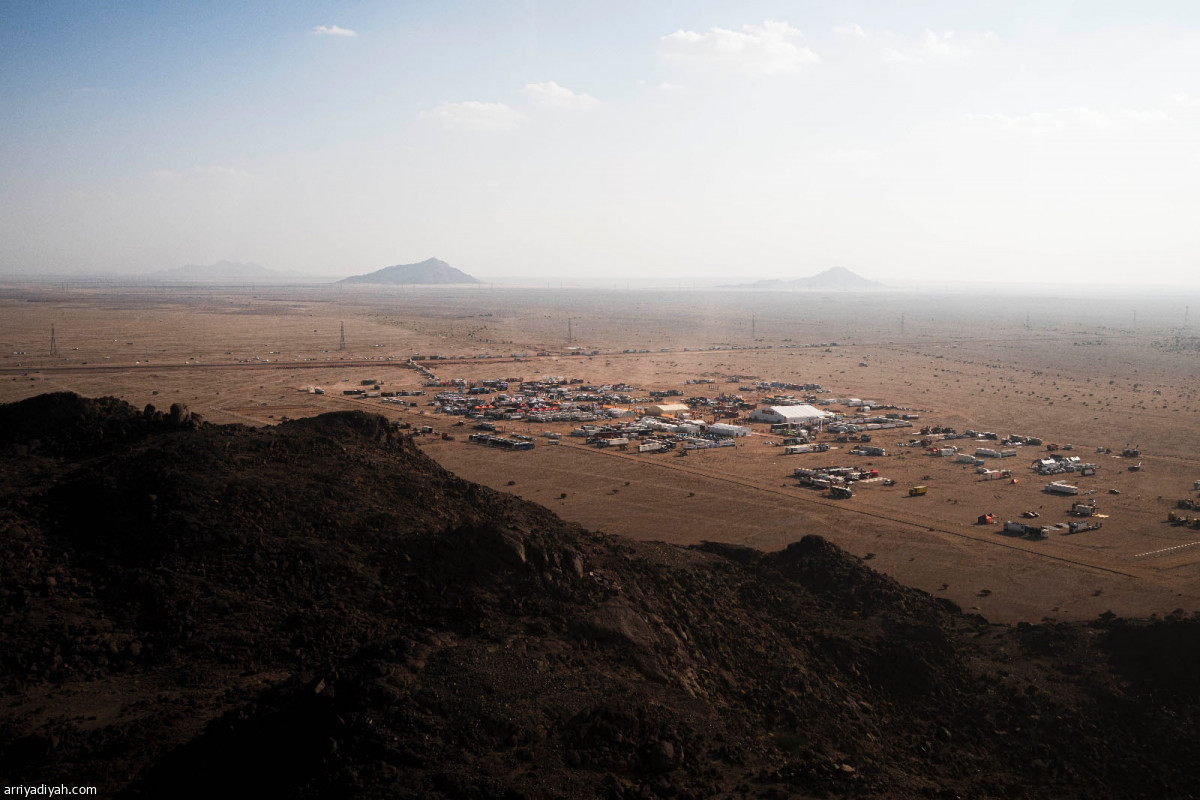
1093,372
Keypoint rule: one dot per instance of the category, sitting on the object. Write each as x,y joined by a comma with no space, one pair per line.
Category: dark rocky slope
321,607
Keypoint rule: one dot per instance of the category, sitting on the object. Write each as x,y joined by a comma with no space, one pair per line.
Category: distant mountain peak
837,279
220,271
429,271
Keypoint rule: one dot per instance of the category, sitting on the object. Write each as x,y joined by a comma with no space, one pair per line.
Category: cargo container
1060,487
793,449
916,491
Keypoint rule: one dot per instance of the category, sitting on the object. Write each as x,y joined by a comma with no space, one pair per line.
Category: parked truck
1032,531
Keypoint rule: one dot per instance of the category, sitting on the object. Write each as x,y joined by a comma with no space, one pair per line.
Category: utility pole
753,328
901,324
53,341
342,340
1027,321
570,334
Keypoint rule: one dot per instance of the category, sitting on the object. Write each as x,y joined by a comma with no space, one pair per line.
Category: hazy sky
696,141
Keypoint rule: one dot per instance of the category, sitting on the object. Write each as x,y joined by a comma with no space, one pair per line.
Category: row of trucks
1056,466
796,449
832,477
1043,531
1175,518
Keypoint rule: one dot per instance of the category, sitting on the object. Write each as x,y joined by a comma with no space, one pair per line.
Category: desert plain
1092,370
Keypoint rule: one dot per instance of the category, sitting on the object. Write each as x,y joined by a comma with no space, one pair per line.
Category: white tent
725,429
792,415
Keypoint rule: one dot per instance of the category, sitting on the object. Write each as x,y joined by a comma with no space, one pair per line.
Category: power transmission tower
53,341
342,340
901,324
753,328
570,334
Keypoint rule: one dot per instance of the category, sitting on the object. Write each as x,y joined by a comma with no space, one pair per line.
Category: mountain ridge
832,279
429,271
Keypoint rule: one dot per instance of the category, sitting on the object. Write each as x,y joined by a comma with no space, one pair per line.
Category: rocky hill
834,279
429,271
318,610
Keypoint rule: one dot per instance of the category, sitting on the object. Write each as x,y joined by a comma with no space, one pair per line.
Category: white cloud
473,115
551,94
333,30
930,46
935,45
1186,100
756,49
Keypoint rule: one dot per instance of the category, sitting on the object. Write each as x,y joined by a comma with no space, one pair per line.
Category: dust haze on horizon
681,143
